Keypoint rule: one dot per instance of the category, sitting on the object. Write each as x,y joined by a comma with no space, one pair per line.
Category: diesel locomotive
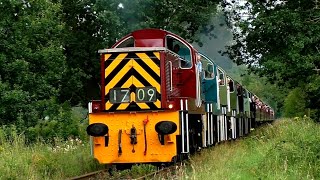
162,100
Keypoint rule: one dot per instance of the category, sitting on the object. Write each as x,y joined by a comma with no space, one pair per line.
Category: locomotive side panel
172,78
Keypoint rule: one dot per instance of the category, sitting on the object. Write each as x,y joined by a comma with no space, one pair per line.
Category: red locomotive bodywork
184,80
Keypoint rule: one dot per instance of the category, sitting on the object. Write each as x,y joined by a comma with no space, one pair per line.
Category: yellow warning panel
131,71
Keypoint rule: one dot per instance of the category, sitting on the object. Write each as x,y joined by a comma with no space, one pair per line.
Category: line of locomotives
162,100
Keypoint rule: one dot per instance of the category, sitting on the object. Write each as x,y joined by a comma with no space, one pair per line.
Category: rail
105,174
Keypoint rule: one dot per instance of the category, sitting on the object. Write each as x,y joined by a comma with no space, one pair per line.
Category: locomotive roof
132,49
151,33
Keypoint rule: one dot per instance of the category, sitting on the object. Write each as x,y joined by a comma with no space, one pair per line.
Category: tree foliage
280,40
90,25
186,17
295,103
32,63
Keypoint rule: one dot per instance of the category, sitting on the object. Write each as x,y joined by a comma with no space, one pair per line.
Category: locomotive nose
165,127
97,129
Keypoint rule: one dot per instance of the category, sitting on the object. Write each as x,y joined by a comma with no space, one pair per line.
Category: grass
62,160
287,149
43,161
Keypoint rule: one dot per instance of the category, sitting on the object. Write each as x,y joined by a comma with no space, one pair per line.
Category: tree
89,26
279,40
185,18
32,63
295,103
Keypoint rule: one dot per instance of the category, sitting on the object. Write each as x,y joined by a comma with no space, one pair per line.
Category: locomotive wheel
178,158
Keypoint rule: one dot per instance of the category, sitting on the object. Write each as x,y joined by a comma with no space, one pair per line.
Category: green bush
57,121
295,103
43,161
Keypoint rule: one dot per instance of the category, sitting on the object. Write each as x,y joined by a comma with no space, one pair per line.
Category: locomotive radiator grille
132,81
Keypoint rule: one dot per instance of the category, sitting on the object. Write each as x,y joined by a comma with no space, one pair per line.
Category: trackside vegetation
286,149
42,160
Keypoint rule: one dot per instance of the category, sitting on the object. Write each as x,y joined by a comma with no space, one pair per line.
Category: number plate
146,94
118,95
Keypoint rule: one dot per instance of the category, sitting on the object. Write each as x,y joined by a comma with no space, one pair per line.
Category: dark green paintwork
223,88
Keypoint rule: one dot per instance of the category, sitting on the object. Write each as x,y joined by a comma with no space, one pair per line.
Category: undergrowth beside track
43,161
286,149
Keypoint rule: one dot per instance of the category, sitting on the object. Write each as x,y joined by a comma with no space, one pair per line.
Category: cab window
230,84
180,49
221,77
129,42
207,68
239,90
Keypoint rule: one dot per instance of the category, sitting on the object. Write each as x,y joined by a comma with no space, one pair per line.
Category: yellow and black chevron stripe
132,70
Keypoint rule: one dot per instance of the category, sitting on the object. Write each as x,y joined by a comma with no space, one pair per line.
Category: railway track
104,174
101,174
164,173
